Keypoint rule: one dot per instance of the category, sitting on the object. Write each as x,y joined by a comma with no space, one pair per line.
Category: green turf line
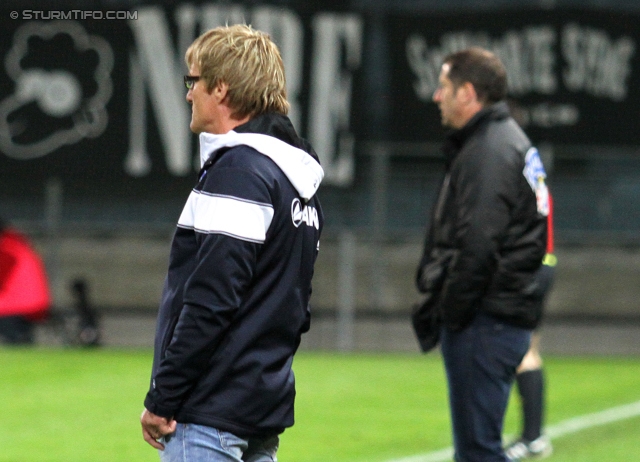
566,427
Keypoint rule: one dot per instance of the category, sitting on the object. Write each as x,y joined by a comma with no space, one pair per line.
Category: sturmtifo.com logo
74,15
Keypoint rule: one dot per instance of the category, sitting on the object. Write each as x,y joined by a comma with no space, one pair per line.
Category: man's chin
195,129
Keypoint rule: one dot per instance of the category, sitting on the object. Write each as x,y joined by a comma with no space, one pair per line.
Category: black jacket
488,229
235,300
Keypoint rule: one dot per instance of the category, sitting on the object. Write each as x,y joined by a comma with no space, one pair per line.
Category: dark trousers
481,362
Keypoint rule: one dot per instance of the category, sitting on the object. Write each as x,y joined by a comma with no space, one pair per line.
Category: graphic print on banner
570,72
114,92
54,106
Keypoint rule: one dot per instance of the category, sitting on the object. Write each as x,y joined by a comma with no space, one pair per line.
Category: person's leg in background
530,380
530,383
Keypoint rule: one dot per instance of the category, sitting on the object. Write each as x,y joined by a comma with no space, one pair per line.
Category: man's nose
436,95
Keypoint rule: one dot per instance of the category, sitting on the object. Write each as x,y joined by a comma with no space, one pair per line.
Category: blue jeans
481,362
199,443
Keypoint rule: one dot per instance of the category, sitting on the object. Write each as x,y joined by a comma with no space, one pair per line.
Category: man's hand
155,427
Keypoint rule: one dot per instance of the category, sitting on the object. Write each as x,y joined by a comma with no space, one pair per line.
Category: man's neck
468,112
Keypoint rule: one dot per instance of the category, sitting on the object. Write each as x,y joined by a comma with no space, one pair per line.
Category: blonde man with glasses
235,300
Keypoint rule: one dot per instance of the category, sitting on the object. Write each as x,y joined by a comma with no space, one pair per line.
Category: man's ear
468,93
220,91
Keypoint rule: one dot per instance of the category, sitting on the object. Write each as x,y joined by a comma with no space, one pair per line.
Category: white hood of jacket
302,170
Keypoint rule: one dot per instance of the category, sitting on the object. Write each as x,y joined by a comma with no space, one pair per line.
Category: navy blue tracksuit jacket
235,299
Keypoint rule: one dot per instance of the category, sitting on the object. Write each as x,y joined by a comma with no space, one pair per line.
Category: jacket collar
272,135
456,138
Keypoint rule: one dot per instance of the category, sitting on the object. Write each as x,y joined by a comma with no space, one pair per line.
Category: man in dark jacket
485,242
235,300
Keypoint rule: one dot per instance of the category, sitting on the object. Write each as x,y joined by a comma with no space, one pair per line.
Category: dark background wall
593,165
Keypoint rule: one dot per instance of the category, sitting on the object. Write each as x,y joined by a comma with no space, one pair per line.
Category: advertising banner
572,73
95,98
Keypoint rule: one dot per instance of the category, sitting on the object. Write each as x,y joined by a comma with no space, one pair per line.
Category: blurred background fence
101,205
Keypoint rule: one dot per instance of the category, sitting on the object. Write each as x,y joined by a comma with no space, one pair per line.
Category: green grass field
83,405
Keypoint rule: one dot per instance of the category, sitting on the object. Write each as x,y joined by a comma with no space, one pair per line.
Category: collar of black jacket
456,138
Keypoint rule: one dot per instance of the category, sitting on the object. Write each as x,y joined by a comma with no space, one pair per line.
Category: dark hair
482,69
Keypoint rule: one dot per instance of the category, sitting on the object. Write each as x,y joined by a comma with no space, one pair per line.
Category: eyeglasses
190,81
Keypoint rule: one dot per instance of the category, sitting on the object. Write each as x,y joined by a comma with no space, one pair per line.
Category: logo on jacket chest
304,214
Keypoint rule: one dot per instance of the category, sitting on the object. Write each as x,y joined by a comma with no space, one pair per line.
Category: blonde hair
247,61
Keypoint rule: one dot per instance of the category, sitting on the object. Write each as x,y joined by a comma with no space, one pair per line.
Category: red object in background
24,286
